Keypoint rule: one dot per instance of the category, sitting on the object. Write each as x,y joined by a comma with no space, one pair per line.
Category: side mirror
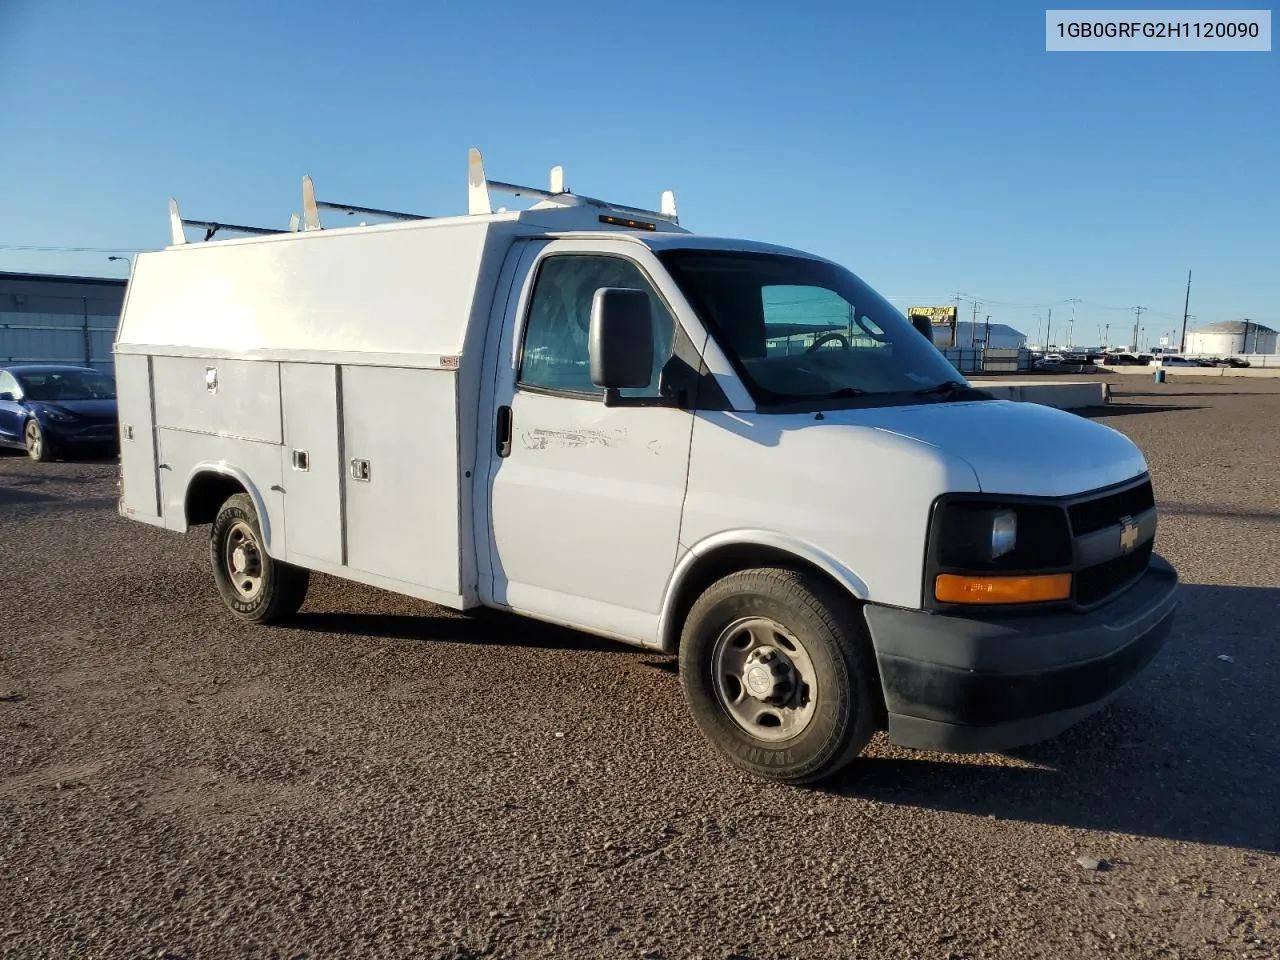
924,326
620,342
8,397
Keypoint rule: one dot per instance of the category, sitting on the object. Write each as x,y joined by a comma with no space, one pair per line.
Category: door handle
503,431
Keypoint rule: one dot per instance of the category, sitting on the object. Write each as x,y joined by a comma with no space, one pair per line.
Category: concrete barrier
1173,373
1065,395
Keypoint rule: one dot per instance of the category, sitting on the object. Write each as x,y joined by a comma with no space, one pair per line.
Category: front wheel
253,585
37,445
779,674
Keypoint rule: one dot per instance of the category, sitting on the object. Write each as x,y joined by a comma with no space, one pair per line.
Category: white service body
358,384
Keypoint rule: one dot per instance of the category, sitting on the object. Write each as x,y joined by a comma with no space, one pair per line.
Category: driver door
584,499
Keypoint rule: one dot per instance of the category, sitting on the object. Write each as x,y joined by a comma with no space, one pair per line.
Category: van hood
104,409
1013,447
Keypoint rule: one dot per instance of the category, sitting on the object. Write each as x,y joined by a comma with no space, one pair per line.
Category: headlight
981,535
1004,533
60,416
983,550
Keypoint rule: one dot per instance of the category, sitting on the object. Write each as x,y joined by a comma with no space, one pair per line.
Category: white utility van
582,412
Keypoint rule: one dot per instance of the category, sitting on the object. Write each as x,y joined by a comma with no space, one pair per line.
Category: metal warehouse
50,318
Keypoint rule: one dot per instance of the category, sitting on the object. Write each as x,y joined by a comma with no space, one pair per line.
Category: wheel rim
764,678
35,442
242,560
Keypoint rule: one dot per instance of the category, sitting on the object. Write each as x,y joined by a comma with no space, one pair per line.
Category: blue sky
934,148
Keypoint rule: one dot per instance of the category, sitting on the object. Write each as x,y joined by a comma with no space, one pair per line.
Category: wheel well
207,493
720,563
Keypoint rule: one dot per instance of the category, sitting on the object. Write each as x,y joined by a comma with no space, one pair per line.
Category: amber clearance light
953,588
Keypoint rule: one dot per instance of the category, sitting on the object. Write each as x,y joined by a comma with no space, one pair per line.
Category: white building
1003,336
1231,338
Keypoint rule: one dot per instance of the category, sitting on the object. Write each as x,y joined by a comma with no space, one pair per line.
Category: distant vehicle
1121,360
48,409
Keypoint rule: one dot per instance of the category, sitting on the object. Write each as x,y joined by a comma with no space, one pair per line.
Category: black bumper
960,684
92,435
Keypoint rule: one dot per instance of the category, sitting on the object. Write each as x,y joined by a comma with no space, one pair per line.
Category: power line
47,249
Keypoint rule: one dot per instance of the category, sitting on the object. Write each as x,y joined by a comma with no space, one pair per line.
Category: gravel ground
387,779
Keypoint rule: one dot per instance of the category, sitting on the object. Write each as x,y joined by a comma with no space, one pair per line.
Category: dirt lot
386,779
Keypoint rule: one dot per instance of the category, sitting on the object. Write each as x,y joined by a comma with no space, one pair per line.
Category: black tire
37,443
845,712
280,587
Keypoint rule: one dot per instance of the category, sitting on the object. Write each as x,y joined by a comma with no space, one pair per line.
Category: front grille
1093,515
1095,584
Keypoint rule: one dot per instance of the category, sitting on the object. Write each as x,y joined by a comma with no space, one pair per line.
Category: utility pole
1106,338
955,336
1137,316
1072,322
1186,305
1048,331
973,325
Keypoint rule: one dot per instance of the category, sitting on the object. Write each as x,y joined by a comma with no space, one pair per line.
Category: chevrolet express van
733,452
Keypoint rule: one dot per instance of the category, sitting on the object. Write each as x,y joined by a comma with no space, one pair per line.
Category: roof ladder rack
311,208
177,222
478,187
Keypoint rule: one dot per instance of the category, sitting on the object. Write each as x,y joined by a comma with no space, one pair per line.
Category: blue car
50,409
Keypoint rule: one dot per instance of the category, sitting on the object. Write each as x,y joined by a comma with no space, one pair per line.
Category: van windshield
805,330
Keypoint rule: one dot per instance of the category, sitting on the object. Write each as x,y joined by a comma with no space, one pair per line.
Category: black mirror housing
620,341
924,326
8,397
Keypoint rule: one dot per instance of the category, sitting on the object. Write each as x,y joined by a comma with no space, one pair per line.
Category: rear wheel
779,674
37,445
253,585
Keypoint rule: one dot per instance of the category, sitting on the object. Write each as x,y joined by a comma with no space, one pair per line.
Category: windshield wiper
845,392
947,386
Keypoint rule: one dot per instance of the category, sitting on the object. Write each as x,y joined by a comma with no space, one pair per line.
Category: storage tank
1231,338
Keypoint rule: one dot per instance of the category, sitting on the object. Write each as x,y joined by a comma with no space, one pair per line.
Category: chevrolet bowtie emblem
1128,534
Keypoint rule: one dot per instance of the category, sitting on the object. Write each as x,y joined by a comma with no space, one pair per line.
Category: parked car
48,409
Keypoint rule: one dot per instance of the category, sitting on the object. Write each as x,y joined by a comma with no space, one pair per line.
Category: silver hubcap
242,559
34,440
764,678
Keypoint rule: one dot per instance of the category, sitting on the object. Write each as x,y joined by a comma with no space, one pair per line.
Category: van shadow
1130,409
480,628
1188,752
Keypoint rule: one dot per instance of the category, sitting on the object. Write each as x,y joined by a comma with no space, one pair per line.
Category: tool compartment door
400,474
139,488
312,467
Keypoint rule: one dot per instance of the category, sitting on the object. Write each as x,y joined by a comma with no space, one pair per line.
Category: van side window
554,355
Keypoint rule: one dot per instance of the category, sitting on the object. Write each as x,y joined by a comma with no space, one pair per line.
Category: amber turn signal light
953,588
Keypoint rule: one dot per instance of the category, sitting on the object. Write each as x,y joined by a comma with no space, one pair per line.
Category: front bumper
962,684
82,434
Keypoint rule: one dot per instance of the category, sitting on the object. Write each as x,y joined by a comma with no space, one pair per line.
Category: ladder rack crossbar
371,211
